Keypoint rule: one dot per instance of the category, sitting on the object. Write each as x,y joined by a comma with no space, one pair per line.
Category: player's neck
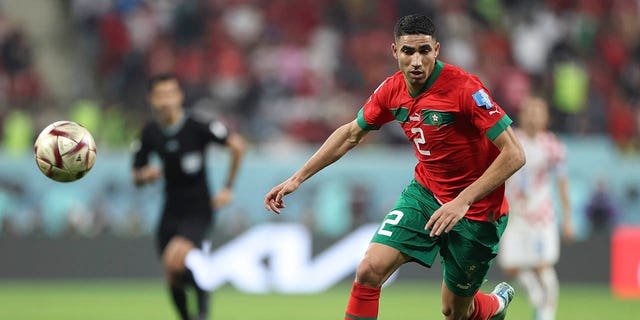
174,118
414,90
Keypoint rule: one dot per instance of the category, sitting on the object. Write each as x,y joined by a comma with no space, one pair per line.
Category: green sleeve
499,127
363,123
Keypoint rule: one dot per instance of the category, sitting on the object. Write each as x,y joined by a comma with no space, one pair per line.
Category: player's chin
418,80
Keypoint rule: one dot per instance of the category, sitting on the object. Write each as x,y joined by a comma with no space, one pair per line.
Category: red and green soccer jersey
451,124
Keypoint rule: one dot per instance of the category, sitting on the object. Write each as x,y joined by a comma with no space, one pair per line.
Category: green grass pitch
120,299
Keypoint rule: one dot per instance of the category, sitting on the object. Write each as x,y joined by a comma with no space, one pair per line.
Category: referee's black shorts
192,220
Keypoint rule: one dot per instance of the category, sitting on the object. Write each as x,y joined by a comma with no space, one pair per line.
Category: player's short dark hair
414,24
161,77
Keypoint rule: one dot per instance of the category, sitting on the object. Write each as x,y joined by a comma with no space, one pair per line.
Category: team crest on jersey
428,117
437,118
482,99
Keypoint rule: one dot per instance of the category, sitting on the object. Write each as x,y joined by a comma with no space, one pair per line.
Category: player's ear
437,49
393,48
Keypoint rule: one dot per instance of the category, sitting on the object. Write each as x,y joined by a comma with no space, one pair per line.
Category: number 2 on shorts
390,221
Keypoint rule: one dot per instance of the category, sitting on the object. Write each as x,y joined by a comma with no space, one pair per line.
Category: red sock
486,306
363,303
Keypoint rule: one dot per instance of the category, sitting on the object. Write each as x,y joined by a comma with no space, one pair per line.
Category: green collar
432,78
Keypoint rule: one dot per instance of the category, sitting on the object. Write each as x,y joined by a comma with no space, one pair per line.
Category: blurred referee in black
180,140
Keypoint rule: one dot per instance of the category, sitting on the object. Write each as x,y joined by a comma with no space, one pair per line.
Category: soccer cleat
505,292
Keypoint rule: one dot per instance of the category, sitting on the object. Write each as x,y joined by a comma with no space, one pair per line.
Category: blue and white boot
504,292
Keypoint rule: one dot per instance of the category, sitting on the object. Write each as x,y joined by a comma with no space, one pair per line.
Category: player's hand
273,199
446,217
147,174
222,198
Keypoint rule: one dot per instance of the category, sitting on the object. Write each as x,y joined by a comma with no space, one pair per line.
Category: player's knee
447,311
368,274
170,263
175,253
451,313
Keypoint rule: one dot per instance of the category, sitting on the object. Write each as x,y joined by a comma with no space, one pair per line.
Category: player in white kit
530,245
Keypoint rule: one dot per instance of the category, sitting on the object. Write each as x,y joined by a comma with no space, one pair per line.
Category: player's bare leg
175,261
541,287
530,281
548,280
173,264
175,253
455,307
378,264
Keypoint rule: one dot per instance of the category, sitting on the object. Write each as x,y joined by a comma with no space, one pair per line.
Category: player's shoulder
396,78
392,83
389,88
150,127
456,76
454,79
209,123
148,132
200,119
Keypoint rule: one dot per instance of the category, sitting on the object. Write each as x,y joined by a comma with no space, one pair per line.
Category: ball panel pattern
65,151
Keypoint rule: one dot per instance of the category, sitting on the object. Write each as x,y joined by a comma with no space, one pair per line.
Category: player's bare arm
338,144
146,174
567,226
510,159
237,146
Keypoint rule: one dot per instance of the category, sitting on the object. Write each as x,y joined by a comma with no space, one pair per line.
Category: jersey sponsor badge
191,162
482,99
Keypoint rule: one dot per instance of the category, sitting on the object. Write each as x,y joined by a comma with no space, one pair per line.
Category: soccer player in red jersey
455,206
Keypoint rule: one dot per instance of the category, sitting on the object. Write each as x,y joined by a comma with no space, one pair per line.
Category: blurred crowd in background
291,71
286,73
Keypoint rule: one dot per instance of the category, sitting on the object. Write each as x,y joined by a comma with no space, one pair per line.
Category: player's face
416,55
534,115
166,99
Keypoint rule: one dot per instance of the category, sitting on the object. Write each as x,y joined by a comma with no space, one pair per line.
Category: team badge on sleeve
482,99
218,129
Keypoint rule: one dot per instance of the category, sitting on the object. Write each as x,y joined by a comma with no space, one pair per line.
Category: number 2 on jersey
420,141
390,221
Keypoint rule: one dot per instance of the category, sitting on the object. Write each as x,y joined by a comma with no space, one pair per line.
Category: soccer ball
65,151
